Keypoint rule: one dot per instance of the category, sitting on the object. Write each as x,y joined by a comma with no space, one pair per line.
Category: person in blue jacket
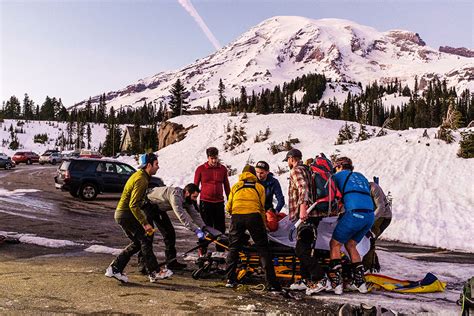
357,220
272,187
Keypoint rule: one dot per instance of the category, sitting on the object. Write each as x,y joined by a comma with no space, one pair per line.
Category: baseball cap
263,165
144,159
293,153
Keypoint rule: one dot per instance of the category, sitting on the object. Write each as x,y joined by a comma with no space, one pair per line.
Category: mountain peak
282,48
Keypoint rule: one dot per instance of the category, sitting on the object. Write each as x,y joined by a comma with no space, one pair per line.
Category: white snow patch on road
17,192
39,241
103,249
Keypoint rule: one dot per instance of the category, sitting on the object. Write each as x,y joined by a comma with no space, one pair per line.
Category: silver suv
50,157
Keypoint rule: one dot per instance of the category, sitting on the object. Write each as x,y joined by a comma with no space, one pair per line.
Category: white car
52,158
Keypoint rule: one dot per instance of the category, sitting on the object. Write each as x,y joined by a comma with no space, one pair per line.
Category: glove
199,233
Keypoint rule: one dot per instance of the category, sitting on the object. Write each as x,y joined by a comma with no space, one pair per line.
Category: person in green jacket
133,222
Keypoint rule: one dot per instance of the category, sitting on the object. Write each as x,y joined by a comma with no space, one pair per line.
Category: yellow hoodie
246,196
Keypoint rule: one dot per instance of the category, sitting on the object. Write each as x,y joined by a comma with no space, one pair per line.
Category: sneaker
231,284
300,285
175,265
321,285
161,275
112,273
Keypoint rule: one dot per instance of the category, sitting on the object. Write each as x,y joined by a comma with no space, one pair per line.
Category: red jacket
211,180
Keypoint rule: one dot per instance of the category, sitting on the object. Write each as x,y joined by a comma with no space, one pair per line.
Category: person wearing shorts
357,220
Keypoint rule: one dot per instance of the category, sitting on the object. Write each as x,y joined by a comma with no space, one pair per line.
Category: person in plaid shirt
313,278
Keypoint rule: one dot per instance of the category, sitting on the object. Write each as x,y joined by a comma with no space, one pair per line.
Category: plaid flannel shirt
298,190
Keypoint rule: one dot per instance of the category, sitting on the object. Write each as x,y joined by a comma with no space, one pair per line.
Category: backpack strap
250,185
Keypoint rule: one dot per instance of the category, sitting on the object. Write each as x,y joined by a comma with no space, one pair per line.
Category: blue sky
77,49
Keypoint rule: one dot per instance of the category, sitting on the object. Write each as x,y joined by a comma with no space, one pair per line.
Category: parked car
72,154
27,157
51,157
87,177
6,162
86,153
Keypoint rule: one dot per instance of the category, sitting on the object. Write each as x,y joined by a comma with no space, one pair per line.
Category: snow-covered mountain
281,48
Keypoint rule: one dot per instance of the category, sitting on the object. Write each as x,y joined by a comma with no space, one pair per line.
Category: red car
27,157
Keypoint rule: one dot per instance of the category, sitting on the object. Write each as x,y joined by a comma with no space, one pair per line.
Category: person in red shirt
212,178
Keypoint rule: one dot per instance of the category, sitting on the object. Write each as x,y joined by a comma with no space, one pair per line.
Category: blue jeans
353,225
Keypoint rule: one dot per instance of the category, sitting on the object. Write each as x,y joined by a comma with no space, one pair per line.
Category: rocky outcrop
460,51
170,133
401,37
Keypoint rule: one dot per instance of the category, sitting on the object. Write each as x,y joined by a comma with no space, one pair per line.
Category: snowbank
432,189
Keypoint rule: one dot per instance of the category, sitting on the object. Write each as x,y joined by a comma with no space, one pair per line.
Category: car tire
28,162
88,191
41,163
8,166
53,162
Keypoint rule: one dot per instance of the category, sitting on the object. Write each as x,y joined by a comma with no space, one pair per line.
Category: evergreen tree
47,110
12,109
101,109
208,107
88,110
221,91
243,104
28,108
89,135
113,137
178,103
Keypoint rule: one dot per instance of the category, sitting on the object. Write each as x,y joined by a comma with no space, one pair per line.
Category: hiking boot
155,276
175,265
316,287
335,276
358,282
231,284
111,272
300,285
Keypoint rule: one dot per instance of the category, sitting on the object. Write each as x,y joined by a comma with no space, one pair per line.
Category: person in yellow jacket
133,222
246,205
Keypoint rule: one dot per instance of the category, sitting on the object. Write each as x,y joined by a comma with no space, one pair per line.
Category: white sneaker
321,285
109,272
338,289
161,275
362,288
299,285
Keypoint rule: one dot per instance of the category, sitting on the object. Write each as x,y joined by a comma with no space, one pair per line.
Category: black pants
213,215
309,263
239,224
162,221
140,242
370,260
